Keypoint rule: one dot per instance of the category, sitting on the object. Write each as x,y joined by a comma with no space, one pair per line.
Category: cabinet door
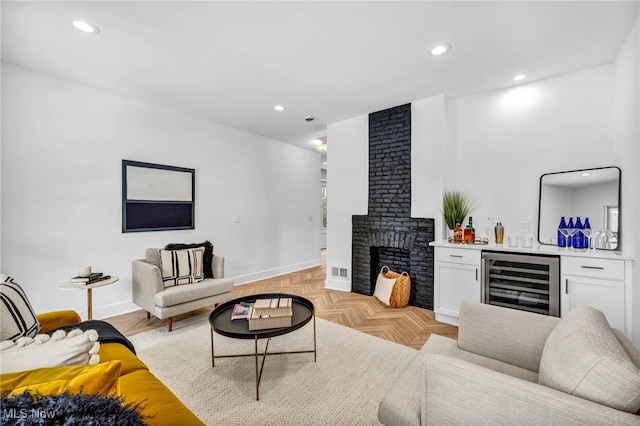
606,296
455,283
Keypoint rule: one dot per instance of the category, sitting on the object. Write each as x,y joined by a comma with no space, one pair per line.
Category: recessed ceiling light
279,108
440,49
519,77
585,174
86,27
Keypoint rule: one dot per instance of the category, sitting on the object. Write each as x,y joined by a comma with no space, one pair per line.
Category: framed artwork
156,197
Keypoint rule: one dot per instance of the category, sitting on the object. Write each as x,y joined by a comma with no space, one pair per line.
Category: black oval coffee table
221,322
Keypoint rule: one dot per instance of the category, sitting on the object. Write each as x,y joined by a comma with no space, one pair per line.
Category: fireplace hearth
388,235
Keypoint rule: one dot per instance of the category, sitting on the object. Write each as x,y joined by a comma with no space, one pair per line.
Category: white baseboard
257,276
342,285
101,312
106,311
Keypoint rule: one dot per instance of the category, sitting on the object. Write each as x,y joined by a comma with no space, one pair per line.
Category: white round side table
89,287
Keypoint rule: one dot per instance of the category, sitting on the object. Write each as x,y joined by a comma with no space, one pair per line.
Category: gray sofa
513,367
149,293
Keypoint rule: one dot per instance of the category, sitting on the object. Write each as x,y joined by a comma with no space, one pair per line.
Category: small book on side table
91,279
93,276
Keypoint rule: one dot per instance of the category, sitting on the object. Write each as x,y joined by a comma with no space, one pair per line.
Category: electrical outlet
238,219
525,227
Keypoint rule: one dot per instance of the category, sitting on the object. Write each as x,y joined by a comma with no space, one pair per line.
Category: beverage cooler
522,281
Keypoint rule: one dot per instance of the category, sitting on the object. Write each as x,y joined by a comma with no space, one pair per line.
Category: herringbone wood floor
410,326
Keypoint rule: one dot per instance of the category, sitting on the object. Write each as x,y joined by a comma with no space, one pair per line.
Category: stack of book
91,279
271,313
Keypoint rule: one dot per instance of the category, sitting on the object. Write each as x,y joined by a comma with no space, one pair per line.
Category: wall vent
338,272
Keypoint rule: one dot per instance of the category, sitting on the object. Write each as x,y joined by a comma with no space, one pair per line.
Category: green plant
456,206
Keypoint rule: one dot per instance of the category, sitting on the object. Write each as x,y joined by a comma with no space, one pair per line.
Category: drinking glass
489,228
588,233
526,241
568,233
605,240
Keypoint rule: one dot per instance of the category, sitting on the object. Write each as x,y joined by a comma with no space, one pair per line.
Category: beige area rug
344,386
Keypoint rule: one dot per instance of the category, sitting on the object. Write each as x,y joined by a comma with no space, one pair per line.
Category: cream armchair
149,292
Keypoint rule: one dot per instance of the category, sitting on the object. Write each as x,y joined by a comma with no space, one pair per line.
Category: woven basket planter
401,289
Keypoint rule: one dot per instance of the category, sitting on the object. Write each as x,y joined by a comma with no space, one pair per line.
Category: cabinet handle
476,274
456,255
566,286
591,267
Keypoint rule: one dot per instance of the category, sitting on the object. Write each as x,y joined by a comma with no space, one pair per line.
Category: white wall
498,144
494,146
62,146
626,110
428,147
348,191
506,139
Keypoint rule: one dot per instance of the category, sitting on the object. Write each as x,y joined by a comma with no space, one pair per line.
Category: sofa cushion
177,295
208,254
117,352
509,335
158,402
17,317
445,346
94,379
74,348
401,404
583,357
182,266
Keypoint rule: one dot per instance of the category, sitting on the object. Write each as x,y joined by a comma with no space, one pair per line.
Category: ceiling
232,62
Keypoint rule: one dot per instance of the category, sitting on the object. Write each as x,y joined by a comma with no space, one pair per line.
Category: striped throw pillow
16,314
182,266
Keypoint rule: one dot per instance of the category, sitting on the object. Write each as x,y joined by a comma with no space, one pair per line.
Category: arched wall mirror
592,193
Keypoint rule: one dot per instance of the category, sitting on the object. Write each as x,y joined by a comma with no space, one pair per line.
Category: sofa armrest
218,266
508,335
460,392
146,281
628,347
51,320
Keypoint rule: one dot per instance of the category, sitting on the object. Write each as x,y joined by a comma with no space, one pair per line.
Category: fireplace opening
397,259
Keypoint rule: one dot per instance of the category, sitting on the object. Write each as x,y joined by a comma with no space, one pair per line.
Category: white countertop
539,249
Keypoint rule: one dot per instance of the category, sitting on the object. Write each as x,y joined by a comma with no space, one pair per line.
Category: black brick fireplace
388,235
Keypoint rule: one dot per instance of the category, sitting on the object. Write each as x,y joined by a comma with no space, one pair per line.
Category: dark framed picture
156,197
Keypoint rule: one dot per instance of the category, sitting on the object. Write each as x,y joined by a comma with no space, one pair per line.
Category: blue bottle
562,240
578,236
570,226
